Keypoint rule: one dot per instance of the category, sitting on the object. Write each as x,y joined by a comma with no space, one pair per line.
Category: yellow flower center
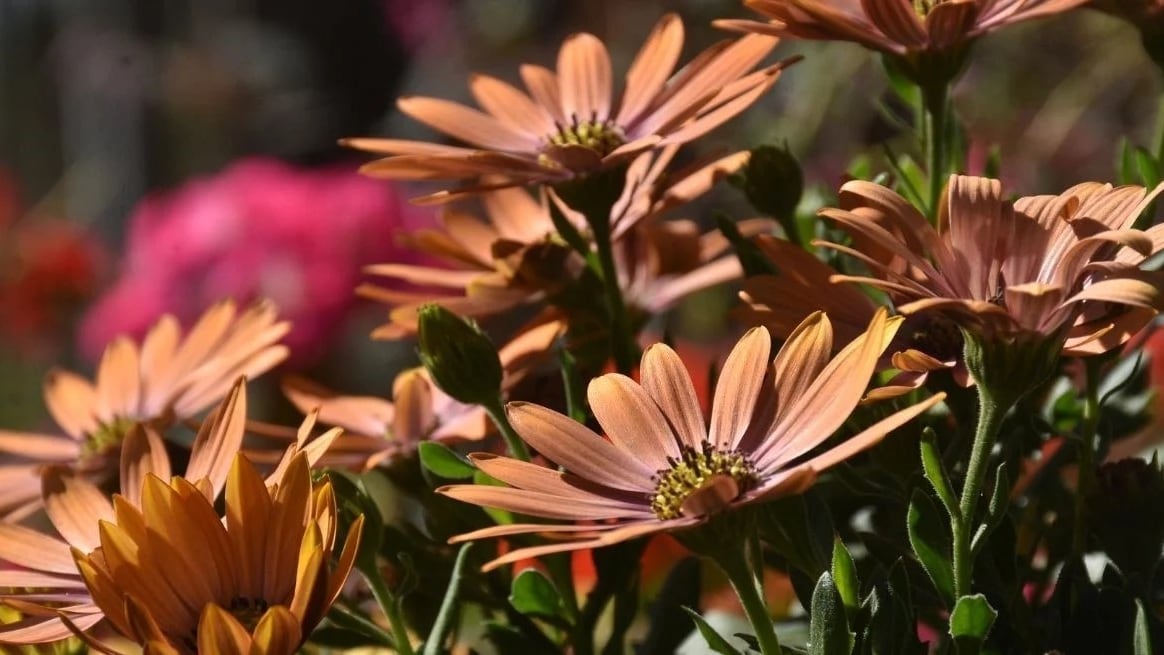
923,7
106,439
600,136
700,483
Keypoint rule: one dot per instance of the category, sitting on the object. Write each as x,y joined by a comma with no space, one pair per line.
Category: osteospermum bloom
1064,266
896,27
47,585
167,378
516,256
660,467
568,124
175,578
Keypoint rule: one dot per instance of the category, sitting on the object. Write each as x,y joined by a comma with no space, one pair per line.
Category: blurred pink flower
260,228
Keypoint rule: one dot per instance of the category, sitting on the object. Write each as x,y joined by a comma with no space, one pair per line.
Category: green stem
750,590
1088,429
990,414
391,608
513,442
937,110
367,624
434,645
623,346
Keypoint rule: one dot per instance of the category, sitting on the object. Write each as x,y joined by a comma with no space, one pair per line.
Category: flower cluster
907,428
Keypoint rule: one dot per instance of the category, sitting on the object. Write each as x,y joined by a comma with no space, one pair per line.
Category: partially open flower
660,467
1050,267
175,578
169,377
567,123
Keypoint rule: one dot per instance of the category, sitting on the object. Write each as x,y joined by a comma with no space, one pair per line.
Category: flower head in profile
904,28
168,377
515,255
1050,267
660,467
567,123
175,578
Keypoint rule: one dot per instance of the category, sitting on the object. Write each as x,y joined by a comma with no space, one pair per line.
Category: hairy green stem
434,645
391,608
937,111
750,590
513,442
990,415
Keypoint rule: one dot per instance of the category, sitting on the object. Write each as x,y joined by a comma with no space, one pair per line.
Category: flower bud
771,180
460,358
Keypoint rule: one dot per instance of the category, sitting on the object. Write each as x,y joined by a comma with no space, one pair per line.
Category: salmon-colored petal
365,415
511,106
72,402
75,506
467,124
632,420
584,77
118,381
898,20
738,388
41,447
651,68
219,439
578,449
542,84
532,477
609,537
666,379
33,550
143,453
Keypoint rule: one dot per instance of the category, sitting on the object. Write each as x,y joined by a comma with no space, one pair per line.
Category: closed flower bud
771,180
460,358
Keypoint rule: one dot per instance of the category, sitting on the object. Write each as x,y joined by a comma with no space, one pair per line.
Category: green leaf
845,576
828,633
714,640
440,460
970,622
533,594
1147,167
1142,638
566,229
929,537
996,511
935,472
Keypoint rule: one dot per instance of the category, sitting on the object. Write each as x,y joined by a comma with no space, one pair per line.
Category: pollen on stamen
601,136
720,476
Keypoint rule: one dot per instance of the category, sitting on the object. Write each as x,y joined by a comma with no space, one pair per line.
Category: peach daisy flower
897,27
515,255
567,123
378,430
660,468
48,585
1042,265
166,379
176,578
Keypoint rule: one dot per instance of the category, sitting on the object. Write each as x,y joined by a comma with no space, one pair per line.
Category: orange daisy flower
175,578
568,124
48,586
166,379
659,467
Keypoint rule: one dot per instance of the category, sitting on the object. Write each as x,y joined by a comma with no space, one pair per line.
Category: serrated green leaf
533,594
828,632
714,640
1142,637
845,576
441,461
929,537
970,623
